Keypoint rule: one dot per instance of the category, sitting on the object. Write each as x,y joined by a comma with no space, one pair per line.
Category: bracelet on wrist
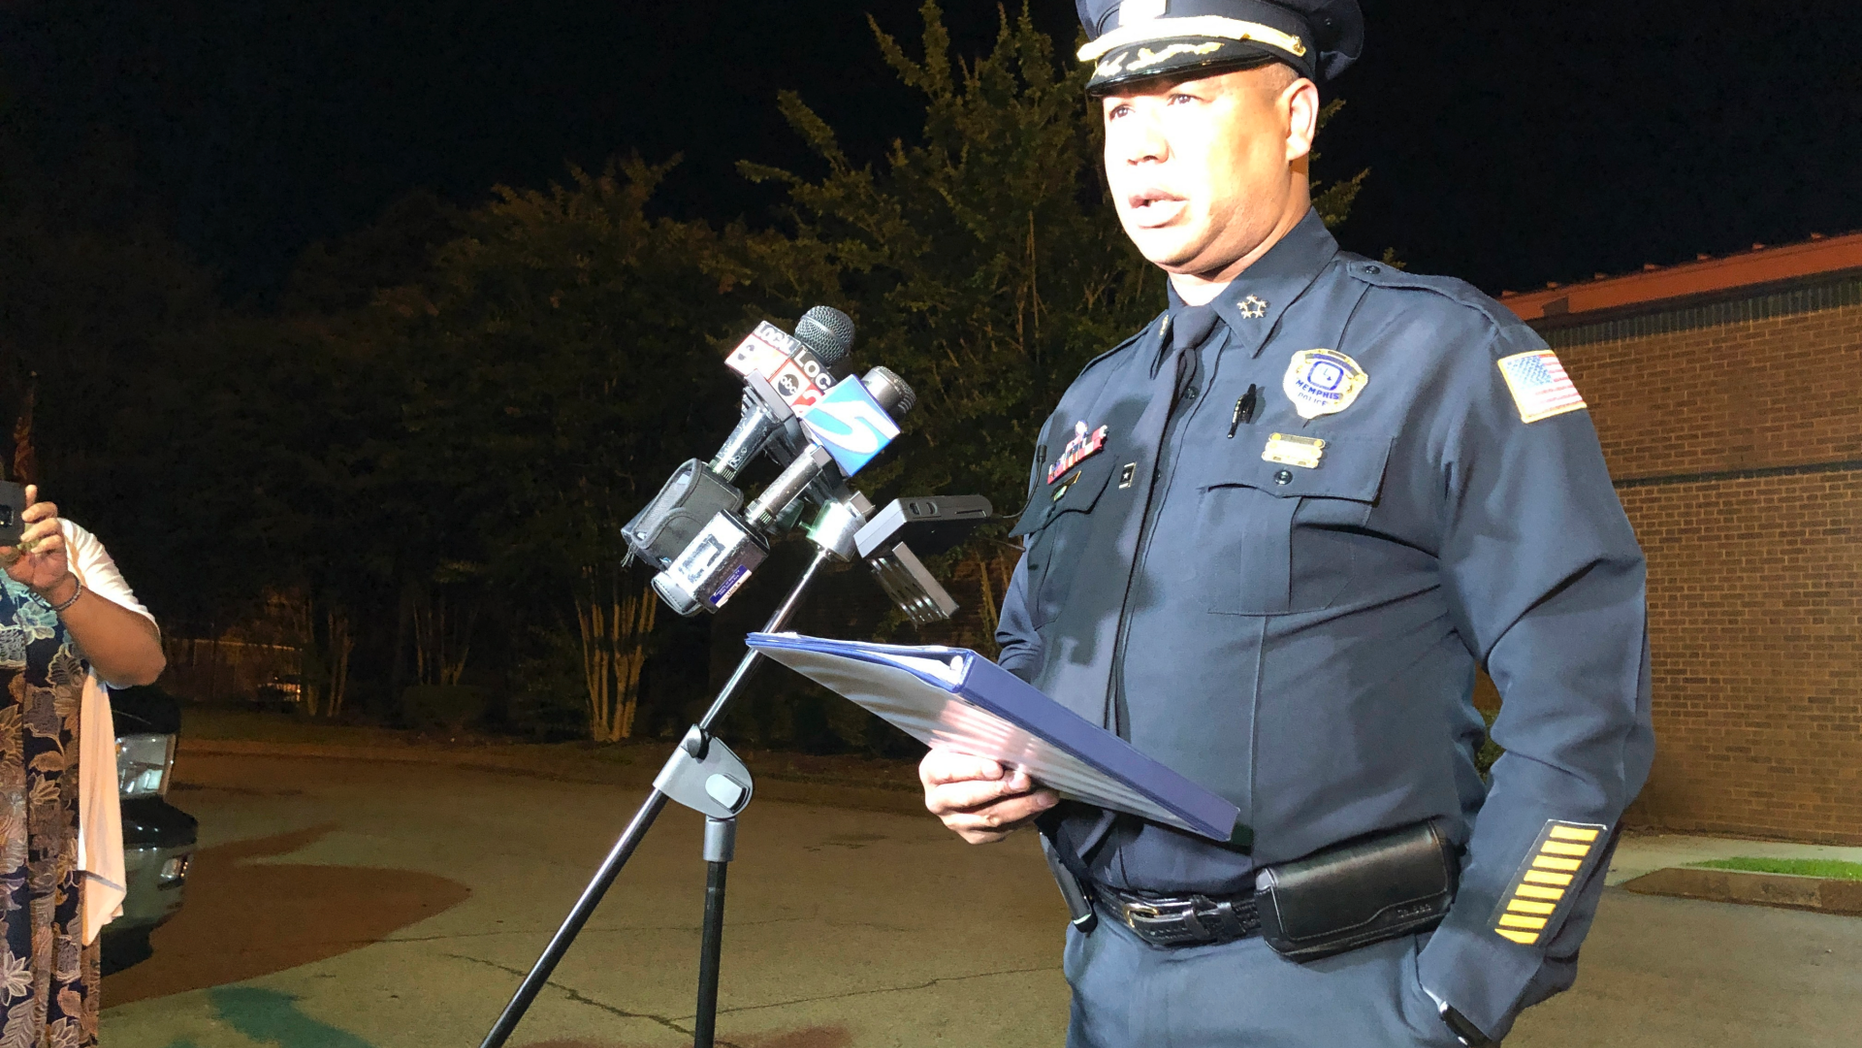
77,592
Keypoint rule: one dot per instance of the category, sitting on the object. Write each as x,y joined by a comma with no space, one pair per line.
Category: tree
984,261
562,359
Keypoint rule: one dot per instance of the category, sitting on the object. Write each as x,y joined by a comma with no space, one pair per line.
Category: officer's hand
979,799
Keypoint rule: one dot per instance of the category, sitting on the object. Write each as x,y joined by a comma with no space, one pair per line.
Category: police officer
1269,540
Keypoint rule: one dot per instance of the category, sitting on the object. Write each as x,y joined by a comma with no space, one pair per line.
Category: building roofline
1689,280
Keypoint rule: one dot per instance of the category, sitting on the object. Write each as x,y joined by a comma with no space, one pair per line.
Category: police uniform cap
1133,40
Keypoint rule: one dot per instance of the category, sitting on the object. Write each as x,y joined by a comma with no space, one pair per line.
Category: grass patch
1830,869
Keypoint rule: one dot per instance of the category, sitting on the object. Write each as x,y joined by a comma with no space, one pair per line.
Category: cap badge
1082,447
1132,12
1323,382
1253,308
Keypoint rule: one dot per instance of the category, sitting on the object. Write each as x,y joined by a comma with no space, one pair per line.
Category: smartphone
12,505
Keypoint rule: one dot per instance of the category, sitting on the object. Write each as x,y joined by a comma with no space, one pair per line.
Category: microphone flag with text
821,430
783,375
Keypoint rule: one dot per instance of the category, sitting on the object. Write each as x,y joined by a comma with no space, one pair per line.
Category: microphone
764,415
848,428
784,375
812,356
817,358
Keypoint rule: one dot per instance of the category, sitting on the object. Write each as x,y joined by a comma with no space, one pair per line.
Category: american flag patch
1539,385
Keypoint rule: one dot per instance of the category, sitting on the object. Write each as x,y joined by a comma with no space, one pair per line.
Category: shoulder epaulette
1453,289
1122,346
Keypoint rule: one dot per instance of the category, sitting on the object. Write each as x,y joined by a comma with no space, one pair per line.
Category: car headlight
143,763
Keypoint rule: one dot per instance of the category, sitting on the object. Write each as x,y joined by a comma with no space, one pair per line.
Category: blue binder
955,697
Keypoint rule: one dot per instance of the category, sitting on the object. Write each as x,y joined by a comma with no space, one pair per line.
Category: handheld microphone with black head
779,385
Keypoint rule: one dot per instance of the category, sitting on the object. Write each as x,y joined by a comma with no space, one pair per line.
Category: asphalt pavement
366,904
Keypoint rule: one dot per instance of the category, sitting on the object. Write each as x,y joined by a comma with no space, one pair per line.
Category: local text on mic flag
781,358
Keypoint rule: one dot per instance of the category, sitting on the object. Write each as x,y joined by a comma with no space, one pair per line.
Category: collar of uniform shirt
1190,327
1275,281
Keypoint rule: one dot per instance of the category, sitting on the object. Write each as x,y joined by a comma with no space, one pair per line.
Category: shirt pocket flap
1074,493
1349,467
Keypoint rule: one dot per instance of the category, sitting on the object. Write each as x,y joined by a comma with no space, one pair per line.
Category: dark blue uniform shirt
1297,626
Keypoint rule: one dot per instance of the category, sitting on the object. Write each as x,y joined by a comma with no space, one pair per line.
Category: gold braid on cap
1195,25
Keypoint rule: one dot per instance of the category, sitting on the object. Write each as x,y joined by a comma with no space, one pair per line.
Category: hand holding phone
34,551
12,508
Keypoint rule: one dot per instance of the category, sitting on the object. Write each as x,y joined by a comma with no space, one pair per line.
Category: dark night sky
1509,143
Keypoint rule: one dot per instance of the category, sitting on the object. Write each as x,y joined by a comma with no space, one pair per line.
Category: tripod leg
720,845
636,830
572,925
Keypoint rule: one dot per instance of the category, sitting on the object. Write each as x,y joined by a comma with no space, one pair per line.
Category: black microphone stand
690,776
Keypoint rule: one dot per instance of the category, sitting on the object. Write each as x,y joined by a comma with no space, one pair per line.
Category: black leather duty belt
1182,920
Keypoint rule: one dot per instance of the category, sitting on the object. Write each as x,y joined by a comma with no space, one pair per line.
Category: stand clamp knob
705,776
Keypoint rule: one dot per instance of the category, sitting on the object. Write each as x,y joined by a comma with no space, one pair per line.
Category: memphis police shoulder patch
1548,880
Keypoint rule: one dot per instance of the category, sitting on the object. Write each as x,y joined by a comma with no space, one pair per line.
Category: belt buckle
1140,909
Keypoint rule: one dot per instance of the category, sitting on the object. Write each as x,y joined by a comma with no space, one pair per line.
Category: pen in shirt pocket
1244,409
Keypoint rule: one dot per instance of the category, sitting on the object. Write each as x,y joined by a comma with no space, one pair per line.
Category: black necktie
1190,327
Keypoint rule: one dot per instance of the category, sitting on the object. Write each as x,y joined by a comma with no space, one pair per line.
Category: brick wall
1738,396
1753,580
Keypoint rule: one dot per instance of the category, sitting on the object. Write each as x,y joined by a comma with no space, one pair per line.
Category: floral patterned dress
48,978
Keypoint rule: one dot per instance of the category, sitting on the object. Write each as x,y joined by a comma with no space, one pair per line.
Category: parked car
281,693
158,838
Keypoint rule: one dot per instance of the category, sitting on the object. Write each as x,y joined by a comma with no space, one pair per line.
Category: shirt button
1285,476
1190,393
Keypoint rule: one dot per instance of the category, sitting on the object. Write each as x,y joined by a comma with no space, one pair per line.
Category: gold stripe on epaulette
1540,891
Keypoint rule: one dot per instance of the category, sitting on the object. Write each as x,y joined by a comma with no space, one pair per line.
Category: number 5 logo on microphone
850,425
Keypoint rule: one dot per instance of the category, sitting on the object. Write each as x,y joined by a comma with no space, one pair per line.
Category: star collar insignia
1253,307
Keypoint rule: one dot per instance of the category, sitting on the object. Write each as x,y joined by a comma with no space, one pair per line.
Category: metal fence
226,671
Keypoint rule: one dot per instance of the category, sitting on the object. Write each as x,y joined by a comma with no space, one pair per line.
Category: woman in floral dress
62,619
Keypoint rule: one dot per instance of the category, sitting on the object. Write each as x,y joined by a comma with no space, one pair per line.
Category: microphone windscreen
828,332
890,390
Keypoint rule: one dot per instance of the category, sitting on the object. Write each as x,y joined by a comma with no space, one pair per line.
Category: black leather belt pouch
1357,893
